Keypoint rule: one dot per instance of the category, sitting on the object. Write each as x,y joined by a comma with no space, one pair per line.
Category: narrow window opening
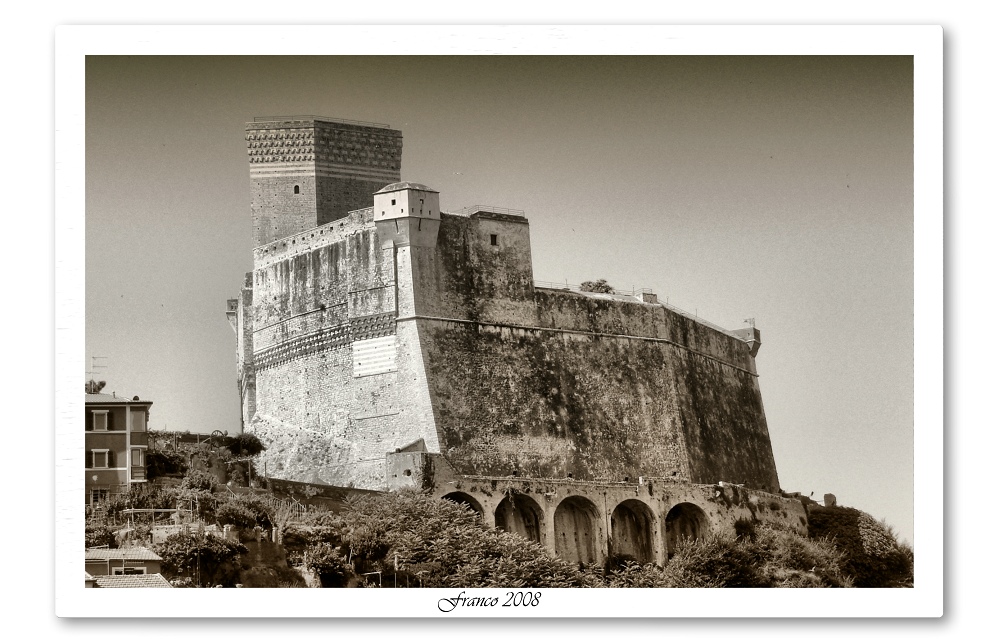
101,460
100,421
393,201
296,189
493,240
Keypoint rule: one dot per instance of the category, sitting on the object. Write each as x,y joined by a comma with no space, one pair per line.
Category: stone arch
576,530
520,514
684,521
632,528
465,499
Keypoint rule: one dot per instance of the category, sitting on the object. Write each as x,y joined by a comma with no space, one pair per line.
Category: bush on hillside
98,534
600,285
204,558
196,480
244,445
328,563
232,512
872,554
438,544
164,463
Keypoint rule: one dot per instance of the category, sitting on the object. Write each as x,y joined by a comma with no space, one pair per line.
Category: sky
773,188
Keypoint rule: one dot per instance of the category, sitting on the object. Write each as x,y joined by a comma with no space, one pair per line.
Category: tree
204,558
245,445
162,463
328,563
100,535
438,543
196,480
600,285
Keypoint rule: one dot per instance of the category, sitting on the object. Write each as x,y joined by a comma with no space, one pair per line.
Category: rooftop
104,398
405,185
312,117
132,580
130,553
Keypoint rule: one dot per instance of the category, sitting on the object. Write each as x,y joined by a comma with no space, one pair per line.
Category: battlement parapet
307,240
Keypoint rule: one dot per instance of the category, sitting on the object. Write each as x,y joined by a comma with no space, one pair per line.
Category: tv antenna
92,374
95,366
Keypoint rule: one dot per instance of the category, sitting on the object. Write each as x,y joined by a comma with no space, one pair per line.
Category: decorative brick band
372,326
367,327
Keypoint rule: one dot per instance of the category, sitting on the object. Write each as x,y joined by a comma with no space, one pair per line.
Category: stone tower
310,170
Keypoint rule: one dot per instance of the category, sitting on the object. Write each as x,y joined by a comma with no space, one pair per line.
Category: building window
137,458
97,496
393,201
493,240
296,189
139,420
100,420
127,571
100,458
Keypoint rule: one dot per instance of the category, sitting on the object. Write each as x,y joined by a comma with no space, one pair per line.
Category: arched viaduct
593,522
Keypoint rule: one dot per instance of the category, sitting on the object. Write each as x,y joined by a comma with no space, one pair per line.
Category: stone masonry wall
317,295
306,172
551,383
499,377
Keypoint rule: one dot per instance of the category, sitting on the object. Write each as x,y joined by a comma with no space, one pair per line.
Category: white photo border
924,43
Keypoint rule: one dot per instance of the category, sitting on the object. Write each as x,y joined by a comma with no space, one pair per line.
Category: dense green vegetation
411,540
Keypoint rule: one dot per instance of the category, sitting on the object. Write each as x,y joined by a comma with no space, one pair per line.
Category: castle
384,344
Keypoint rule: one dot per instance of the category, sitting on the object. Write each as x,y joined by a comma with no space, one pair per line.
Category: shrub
789,560
233,512
198,481
271,577
600,285
714,561
244,445
99,535
441,543
163,463
872,554
328,563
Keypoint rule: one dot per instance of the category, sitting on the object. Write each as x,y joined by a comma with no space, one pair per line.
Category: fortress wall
550,383
600,314
336,196
324,424
318,237
340,382
465,277
277,210
724,426
550,403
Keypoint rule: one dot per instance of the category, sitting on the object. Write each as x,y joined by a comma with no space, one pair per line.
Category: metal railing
560,285
638,292
313,117
472,209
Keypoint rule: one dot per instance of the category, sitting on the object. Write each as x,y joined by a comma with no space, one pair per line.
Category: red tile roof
133,580
129,553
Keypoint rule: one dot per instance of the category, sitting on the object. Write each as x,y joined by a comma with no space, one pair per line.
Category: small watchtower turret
407,214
